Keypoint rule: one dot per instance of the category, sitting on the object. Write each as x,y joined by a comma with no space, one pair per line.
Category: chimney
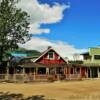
49,47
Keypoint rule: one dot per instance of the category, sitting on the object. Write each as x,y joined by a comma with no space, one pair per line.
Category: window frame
96,57
52,55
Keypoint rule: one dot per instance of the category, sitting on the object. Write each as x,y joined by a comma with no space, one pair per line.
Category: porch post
14,76
65,71
7,73
36,73
36,70
47,72
87,76
74,70
80,72
90,72
98,73
56,76
23,70
69,72
55,71
23,74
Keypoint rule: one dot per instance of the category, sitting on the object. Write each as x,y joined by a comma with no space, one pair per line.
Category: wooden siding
45,60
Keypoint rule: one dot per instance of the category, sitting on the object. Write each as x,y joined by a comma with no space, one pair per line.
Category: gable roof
46,51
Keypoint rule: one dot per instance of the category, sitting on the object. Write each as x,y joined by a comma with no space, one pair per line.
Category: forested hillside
28,52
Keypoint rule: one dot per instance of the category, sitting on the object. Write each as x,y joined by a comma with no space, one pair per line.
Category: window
87,57
71,71
78,71
60,70
97,57
41,70
50,55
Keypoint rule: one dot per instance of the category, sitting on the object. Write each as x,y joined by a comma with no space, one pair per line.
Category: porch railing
33,77
73,76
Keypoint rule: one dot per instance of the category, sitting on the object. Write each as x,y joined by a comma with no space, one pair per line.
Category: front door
94,72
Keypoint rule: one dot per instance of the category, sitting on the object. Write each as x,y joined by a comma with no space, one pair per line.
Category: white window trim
51,58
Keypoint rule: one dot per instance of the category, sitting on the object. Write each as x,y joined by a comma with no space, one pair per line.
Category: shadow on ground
19,96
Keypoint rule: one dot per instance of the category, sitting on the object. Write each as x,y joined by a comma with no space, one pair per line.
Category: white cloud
35,29
64,49
46,14
42,14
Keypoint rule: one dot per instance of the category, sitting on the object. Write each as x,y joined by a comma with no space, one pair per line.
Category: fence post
7,74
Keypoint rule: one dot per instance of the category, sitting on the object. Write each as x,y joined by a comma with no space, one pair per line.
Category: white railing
74,76
22,77
33,77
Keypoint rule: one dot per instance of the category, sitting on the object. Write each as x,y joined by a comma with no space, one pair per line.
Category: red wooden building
50,56
57,66
51,64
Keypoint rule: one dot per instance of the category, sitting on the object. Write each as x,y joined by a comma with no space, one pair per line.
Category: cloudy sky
69,26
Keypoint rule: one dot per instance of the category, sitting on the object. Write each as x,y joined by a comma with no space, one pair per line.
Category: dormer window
50,55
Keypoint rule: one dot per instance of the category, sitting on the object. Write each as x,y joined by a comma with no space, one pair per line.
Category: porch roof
58,65
78,65
86,65
91,65
31,65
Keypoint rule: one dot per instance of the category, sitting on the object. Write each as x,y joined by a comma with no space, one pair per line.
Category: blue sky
69,30
80,25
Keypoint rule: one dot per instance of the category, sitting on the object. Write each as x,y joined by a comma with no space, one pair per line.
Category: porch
31,72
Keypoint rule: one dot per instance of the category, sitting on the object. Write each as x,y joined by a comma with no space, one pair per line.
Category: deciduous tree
14,25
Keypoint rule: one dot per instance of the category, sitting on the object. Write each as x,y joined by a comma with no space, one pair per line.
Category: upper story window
87,57
97,57
51,55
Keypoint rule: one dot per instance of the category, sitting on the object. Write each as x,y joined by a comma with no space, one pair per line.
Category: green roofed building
92,62
92,56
